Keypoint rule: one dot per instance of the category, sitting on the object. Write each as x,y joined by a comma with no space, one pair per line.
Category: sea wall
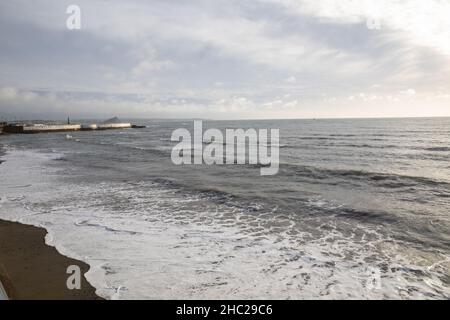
105,126
38,128
50,128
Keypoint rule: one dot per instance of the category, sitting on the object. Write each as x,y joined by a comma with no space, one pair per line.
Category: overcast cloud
225,59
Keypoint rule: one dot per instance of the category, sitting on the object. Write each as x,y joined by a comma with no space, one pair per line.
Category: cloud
7,93
291,79
423,23
261,58
148,61
408,92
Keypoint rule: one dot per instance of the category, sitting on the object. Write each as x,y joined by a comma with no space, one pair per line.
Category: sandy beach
31,270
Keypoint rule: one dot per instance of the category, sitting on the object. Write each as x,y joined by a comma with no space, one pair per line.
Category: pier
29,128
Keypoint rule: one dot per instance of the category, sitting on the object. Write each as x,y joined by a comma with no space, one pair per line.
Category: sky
234,59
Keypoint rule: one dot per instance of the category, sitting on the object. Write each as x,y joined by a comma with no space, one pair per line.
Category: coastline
32,270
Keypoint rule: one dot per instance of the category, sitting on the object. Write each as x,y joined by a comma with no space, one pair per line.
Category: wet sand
31,270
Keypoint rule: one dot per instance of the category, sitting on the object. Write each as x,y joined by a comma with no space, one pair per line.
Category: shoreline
32,270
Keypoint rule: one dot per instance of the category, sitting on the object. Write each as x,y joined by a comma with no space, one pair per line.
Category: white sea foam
143,240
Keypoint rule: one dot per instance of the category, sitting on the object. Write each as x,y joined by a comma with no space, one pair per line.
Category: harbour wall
41,128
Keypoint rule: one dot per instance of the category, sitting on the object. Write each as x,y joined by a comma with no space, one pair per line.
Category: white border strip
3,295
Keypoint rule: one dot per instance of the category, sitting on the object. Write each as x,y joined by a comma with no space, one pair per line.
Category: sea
360,209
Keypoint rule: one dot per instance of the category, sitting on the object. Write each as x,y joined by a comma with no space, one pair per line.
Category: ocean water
359,209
